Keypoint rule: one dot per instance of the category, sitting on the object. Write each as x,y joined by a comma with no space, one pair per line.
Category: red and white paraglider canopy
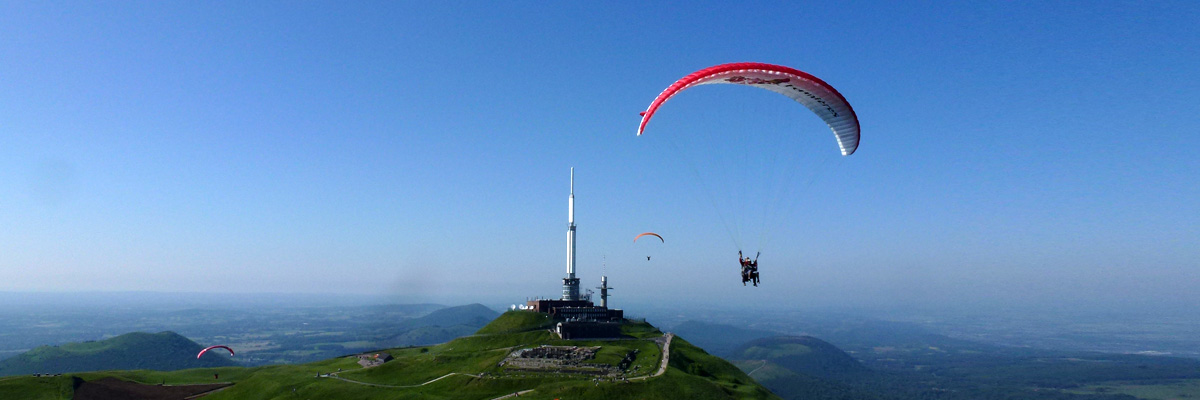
798,85
206,349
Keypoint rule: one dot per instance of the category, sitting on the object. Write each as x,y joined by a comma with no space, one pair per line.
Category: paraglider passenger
749,268
745,261
754,269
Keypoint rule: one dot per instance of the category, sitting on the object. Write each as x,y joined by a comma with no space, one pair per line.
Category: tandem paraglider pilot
749,268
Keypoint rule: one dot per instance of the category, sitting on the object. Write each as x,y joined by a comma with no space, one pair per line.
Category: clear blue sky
1011,153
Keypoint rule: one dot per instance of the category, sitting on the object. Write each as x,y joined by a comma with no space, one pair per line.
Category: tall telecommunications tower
571,283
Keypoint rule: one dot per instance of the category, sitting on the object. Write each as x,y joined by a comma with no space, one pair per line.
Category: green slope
159,351
803,367
464,368
804,355
30,388
517,322
793,386
440,326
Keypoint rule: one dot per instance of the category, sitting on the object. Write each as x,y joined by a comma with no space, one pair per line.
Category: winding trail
751,373
335,376
199,395
513,395
666,359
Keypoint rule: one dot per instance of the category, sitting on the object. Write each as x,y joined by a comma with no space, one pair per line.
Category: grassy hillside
29,388
802,367
518,322
465,368
475,315
160,351
794,386
804,355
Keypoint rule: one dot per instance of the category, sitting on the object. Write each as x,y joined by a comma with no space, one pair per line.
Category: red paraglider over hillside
206,349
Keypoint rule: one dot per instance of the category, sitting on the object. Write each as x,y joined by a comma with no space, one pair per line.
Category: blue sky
1011,154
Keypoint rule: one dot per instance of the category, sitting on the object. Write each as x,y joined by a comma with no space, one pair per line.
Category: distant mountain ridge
476,315
804,355
718,339
163,351
441,325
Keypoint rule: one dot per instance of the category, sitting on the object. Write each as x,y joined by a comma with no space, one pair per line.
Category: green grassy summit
518,321
492,363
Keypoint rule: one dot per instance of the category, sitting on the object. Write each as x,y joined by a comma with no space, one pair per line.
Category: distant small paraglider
660,238
635,238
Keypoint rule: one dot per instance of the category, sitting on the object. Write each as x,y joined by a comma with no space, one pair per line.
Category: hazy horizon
39,301
55,318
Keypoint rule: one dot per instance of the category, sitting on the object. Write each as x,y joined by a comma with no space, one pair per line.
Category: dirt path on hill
335,376
666,359
513,395
764,363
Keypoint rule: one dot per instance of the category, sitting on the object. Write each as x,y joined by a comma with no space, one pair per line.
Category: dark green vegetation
30,388
804,367
718,339
165,351
804,355
930,367
1184,389
466,367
